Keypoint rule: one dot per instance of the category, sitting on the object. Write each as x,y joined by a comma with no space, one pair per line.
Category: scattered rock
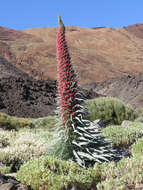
71,187
74,188
139,187
25,97
100,123
7,186
7,182
123,152
126,123
13,175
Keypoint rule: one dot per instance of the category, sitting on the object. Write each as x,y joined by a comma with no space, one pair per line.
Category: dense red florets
67,84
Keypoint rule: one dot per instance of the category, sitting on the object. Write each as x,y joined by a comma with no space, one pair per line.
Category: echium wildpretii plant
80,139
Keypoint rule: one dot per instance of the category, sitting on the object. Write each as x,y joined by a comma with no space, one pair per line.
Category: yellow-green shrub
110,110
139,111
50,173
10,122
126,174
137,147
139,119
45,122
123,136
18,147
5,169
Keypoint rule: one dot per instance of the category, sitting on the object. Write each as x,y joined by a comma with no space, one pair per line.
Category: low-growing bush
18,147
17,155
50,173
110,110
137,125
139,119
137,147
45,122
126,174
113,183
5,169
139,111
123,136
4,141
10,122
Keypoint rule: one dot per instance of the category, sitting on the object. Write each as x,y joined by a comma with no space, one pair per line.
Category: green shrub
126,174
110,110
17,155
5,169
139,119
123,136
4,141
137,125
50,173
137,147
139,112
113,183
18,147
10,122
45,122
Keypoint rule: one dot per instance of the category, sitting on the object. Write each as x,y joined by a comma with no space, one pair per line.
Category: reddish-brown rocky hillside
97,54
23,96
128,88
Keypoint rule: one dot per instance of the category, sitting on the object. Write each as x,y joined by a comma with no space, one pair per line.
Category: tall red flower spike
67,83
83,138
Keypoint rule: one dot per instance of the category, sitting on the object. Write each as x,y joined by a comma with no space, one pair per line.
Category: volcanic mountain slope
7,70
129,89
97,54
23,96
100,53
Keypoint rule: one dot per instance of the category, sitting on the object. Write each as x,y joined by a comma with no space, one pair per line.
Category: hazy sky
22,14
